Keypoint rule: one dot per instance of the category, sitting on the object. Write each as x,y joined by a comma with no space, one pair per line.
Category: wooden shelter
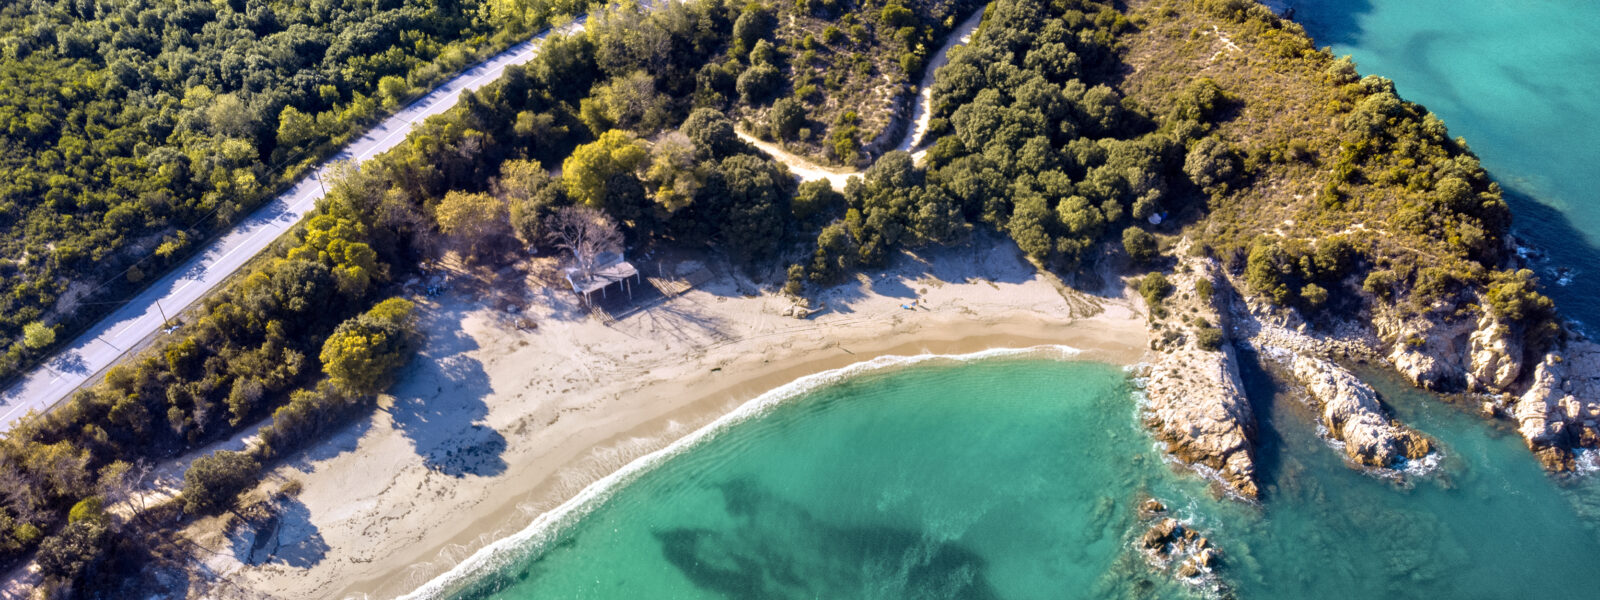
609,268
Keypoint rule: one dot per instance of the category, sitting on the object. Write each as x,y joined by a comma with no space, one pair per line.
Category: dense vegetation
132,130
837,74
1035,142
1344,197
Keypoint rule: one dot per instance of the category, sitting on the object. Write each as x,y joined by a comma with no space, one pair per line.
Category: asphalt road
107,341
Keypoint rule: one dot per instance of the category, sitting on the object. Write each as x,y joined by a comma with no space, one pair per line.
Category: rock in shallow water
1560,410
1198,408
1351,411
1177,549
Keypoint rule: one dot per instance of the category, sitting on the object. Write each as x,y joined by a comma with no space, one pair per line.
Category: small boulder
1150,508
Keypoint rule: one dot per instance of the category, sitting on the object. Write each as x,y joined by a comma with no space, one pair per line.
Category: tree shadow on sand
442,403
282,534
986,257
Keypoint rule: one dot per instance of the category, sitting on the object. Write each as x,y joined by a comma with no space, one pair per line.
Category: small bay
1019,478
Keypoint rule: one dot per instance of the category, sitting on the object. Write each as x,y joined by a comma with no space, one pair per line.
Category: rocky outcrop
1353,414
1496,355
1560,410
1430,353
1176,547
1443,354
1197,407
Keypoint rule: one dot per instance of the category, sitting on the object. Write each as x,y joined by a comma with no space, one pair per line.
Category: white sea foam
545,527
1586,461
1425,465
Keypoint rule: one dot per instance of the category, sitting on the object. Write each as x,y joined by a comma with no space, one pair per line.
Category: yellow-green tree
295,127
674,174
590,168
476,221
37,335
340,245
363,353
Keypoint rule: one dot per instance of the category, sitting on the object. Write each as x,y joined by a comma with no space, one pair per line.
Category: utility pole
164,319
318,176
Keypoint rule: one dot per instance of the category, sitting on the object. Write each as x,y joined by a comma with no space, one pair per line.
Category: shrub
1380,284
89,509
1208,338
75,550
831,35
1268,271
1155,287
788,115
753,24
815,199
764,53
759,83
1514,296
212,482
1313,295
1202,288
794,284
1140,245
1210,163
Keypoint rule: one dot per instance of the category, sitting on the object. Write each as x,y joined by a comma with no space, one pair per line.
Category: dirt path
920,110
802,168
915,134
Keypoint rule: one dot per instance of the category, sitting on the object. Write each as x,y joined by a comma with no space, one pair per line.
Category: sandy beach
493,425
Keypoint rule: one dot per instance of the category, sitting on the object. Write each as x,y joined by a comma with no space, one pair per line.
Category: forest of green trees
132,130
1031,141
298,339
1035,139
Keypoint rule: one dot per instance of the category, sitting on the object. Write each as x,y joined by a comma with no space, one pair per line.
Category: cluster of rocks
1442,354
1560,409
1554,401
1170,543
1196,401
1352,413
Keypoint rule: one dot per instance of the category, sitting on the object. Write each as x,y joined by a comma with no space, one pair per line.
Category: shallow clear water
1520,80
1017,478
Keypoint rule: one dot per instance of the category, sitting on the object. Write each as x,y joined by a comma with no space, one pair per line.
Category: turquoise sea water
1018,478
1520,80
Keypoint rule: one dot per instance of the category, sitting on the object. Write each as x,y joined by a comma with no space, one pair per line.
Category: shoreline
381,525
533,538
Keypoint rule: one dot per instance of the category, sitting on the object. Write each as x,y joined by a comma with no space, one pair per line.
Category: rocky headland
1551,390
1196,401
1352,414
1197,406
